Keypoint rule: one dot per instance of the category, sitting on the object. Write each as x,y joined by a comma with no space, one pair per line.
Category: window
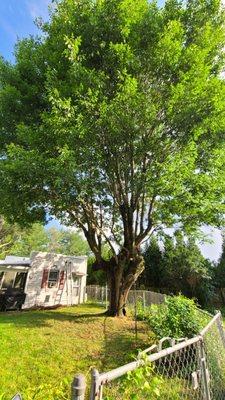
47,298
53,277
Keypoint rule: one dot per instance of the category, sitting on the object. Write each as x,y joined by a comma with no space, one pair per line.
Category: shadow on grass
43,318
122,346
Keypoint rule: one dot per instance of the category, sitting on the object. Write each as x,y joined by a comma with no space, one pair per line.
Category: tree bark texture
121,278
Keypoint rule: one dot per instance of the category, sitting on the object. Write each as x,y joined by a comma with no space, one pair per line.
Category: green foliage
220,268
98,277
95,277
178,266
47,392
19,241
34,238
145,383
154,273
178,317
141,383
88,96
7,236
114,121
67,242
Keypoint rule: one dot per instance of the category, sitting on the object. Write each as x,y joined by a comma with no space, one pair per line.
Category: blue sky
16,21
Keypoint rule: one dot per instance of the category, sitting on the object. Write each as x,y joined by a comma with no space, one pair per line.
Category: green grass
41,351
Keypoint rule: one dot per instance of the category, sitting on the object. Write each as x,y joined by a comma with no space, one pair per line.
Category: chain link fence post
204,371
78,387
102,294
94,384
220,329
144,302
106,296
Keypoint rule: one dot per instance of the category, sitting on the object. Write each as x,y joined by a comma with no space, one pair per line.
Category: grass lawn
40,351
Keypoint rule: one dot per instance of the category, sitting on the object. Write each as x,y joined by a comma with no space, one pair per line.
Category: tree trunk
121,278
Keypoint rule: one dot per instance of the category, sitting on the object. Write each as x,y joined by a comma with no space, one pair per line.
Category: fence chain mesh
215,359
178,376
144,297
193,369
180,373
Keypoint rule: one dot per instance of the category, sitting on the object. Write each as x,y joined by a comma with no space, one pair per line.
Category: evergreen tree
179,267
220,272
153,275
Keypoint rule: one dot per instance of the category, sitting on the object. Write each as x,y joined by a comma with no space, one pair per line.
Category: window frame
52,283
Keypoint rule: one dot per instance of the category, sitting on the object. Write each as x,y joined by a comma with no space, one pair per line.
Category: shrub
178,317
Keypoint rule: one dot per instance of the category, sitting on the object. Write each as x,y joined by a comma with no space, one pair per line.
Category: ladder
62,280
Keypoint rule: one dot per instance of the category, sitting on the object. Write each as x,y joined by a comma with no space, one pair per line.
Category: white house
43,280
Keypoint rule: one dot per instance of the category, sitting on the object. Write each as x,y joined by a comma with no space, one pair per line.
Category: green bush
178,317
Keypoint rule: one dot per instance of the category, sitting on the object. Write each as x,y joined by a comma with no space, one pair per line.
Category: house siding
40,295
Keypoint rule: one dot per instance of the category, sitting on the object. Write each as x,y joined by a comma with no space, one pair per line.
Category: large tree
114,122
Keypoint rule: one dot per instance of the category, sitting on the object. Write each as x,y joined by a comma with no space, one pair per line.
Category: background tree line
19,241
174,264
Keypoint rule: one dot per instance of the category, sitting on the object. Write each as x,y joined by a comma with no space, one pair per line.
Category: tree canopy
114,122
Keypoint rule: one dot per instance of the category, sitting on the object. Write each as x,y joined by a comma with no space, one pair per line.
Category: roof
14,260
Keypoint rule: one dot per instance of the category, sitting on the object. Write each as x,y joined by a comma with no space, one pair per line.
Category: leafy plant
140,383
178,317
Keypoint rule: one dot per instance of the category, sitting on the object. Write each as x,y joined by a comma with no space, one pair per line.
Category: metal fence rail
189,369
100,294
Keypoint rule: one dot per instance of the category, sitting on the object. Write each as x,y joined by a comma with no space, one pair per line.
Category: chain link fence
214,343
189,369
100,295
